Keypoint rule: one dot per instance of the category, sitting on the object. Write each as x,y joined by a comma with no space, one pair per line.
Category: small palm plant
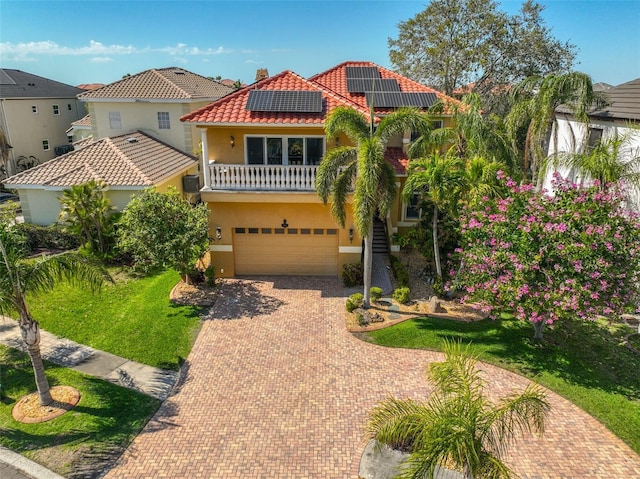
458,427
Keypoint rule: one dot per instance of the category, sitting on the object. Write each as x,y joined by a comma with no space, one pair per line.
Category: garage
285,251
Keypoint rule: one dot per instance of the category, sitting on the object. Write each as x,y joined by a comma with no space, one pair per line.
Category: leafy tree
86,212
535,102
163,230
19,277
458,426
363,169
546,258
455,42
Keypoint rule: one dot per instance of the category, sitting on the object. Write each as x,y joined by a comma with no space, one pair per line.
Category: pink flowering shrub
574,254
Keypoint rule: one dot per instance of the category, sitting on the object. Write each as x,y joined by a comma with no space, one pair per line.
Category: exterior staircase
380,241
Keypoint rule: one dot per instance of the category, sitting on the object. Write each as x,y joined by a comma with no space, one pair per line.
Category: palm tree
441,180
482,180
18,277
362,168
458,427
535,102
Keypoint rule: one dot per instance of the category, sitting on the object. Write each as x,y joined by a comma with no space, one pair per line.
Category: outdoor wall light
232,141
218,233
350,235
284,223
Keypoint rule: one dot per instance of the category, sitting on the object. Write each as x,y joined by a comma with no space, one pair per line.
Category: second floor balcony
262,177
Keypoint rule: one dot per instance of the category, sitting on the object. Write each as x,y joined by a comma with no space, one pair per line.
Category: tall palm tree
441,180
18,277
535,102
482,180
458,426
363,169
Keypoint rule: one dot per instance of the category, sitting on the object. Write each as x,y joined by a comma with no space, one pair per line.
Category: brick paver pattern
275,387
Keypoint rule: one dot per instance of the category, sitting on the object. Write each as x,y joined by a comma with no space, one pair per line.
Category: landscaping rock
435,306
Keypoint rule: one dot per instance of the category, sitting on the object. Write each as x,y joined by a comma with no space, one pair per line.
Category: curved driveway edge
275,387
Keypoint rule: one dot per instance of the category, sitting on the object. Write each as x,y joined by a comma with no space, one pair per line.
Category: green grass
584,362
132,318
106,419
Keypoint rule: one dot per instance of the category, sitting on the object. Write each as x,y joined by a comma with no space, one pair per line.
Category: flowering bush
547,257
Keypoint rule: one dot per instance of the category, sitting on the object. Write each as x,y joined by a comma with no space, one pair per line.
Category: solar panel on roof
362,72
361,85
285,100
387,99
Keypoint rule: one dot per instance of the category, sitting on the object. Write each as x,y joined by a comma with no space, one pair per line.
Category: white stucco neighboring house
621,118
128,164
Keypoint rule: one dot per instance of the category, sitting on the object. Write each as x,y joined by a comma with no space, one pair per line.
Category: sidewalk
149,380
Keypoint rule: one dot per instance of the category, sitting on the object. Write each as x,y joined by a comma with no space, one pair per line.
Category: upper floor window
412,208
435,124
56,110
45,145
276,150
34,108
595,137
163,120
70,138
114,120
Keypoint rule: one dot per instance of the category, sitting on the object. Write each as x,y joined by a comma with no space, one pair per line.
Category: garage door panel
286,254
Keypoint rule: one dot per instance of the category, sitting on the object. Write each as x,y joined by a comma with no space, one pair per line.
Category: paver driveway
276,388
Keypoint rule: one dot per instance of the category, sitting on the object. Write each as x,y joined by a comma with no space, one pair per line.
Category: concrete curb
26,466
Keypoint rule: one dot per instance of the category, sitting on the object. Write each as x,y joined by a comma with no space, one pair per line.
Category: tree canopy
453,43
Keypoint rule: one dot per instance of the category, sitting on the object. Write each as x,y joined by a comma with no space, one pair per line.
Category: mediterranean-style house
261,147
619,118
152,101
127,163
35,113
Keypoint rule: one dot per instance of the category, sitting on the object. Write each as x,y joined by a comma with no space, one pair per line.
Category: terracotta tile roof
335,79
130,160
19,84
232,108
84,121
398,159
161,84
90,86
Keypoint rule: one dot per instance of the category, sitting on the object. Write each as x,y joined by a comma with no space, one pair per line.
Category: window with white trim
163,120
56,110
595,137
114,120
34,108
284,150
70,138
45,145
412,210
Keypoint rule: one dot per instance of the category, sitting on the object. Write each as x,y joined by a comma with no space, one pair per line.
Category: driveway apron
275,387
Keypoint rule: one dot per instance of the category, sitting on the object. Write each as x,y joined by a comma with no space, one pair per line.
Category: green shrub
400,272
438,286
402,295
354,301
361,320
352,275
376,293
49,237
210,276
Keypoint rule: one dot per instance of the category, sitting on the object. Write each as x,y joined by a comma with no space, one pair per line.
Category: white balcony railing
263,177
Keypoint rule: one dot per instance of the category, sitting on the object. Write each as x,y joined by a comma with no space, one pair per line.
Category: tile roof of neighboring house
160,84
84,121
336,80
131,160
83,142
398,159
624,102
90,86
232,108
19,84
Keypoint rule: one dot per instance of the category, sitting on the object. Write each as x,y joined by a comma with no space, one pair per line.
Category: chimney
261,74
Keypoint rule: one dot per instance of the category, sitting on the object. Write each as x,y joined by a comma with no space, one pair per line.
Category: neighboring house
127,164
153,101
79,130
261,149
620,117
35,113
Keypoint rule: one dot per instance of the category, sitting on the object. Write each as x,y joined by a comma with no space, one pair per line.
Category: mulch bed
28,409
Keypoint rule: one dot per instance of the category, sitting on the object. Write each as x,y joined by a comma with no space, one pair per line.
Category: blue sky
99,42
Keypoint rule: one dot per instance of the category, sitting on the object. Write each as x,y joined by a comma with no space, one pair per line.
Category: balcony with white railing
261,177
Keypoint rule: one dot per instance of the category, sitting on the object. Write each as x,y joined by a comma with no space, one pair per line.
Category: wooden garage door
291,251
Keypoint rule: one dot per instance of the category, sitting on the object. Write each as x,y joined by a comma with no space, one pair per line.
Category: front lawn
132,318
584,362
81,441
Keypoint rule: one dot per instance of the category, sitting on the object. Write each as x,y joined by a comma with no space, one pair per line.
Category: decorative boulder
435,305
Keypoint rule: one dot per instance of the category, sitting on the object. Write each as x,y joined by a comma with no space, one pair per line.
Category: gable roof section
18,84
335,79
171,83
624,102
125,161
232,109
